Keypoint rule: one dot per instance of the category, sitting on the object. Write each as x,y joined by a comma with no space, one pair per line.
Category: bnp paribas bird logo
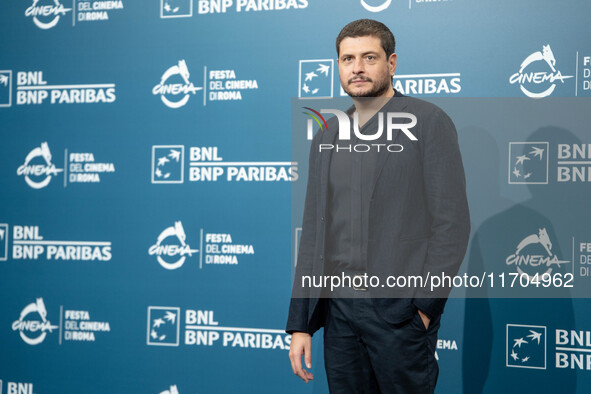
176,8
526,346
163,326
316,78
167,163
528,163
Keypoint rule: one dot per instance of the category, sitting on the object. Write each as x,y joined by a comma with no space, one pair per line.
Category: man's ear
392,63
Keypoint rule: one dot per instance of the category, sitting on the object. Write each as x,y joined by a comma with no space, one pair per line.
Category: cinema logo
47,13
207,165
541,80
33,324
175,89
80,167
32,88
527,347
171,246
534,255
200,328
172,250
38,169
46,16
28,244
344,130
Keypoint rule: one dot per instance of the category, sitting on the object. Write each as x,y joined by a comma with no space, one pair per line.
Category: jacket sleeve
299,305
445,189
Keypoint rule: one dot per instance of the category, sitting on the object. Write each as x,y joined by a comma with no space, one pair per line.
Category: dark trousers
365,354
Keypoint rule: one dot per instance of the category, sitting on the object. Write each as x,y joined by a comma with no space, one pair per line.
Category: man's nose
358,66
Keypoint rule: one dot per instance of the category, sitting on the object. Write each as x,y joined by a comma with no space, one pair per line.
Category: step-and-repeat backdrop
146,241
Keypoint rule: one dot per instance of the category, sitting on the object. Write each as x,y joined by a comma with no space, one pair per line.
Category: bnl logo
316,78
17,388
526,346
528,163
163,326
5,88
176,8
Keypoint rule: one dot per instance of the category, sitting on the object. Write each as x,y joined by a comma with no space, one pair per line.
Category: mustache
360,78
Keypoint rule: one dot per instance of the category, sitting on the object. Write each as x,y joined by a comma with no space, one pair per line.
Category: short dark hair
369,27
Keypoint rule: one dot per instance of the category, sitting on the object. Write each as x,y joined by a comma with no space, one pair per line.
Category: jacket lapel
384,154
325,156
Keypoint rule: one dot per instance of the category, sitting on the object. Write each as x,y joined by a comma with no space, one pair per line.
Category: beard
379,87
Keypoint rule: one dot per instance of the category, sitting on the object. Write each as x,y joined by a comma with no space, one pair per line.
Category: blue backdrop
146,241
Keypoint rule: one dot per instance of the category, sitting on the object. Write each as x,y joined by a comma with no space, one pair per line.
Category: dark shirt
350,179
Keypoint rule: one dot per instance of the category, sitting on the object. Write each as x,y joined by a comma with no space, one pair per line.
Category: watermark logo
178,86
345,125
176,8
376,8
344,130
527,254
38,176
537,80
32,330
526,346
318,118
163,326
46,16
316,78
528,163
172,250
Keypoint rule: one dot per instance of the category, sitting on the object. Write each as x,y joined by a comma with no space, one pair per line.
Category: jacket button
322,218
321,257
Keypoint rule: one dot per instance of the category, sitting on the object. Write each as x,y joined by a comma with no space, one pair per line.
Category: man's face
364,69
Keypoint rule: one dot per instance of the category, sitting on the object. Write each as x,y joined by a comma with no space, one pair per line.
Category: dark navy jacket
418,218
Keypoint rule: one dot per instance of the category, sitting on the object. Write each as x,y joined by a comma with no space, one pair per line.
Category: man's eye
370,57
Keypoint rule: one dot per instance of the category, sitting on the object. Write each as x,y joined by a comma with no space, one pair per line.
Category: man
393,212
